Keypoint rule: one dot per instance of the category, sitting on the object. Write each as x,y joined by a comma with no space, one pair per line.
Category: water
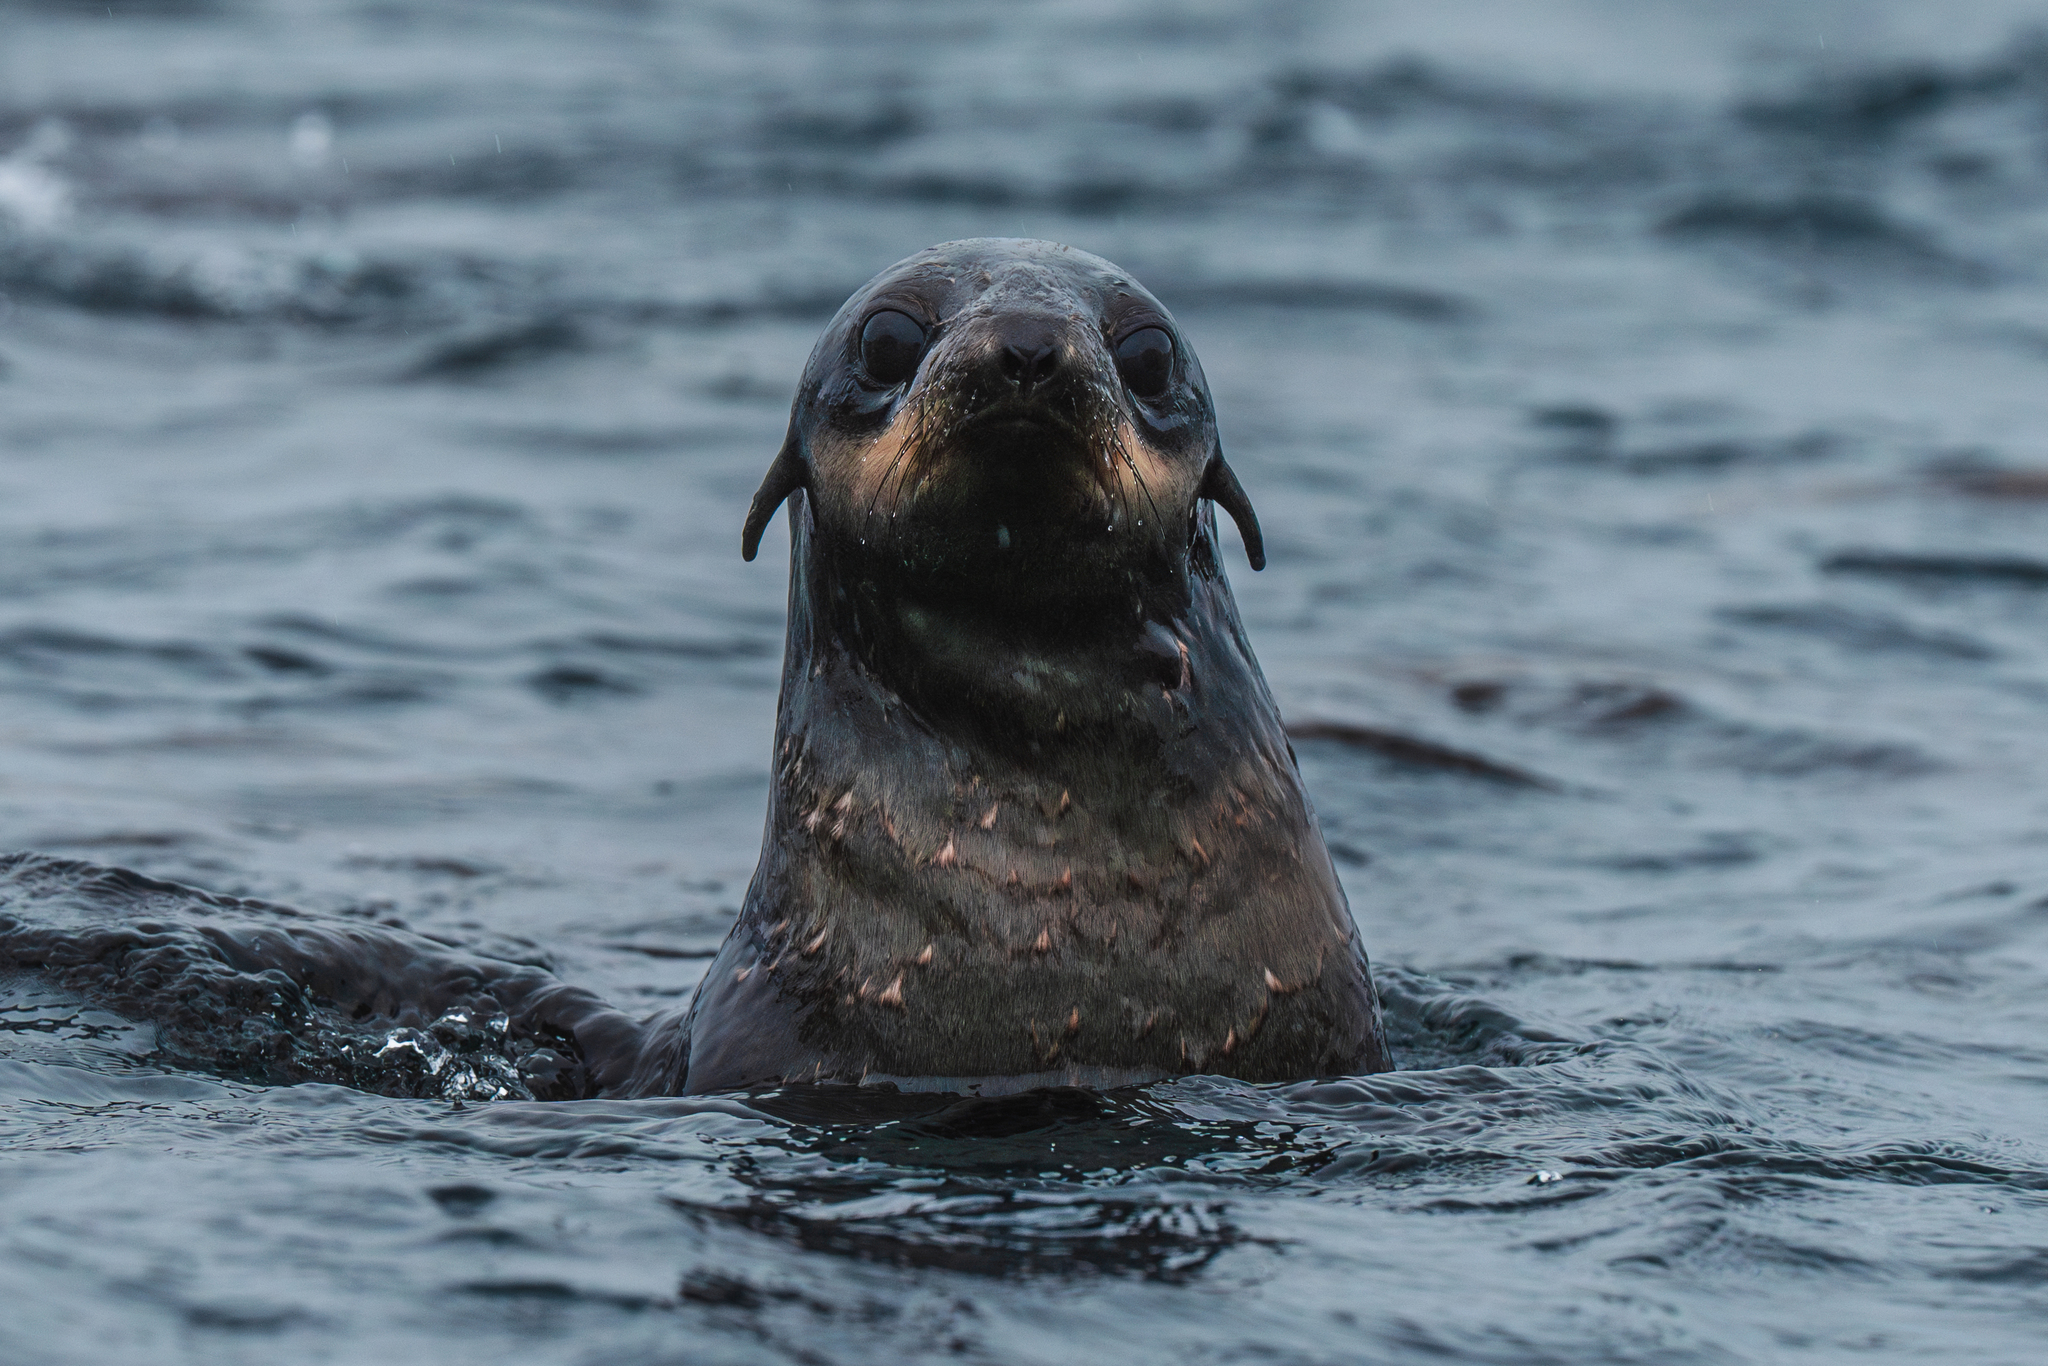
1644,404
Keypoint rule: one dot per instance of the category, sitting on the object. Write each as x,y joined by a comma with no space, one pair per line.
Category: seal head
1034,820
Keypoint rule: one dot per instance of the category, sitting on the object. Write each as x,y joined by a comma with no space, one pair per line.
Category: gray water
1647,407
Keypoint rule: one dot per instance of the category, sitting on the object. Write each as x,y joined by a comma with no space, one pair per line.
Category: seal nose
1028,358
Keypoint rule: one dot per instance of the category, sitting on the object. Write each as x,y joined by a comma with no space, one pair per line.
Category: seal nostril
1028,365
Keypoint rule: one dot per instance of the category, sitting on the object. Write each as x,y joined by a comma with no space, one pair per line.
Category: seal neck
1134,674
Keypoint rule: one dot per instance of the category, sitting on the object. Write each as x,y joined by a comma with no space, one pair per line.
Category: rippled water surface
1647,406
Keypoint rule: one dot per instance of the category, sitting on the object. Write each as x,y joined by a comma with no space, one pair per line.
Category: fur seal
1033,818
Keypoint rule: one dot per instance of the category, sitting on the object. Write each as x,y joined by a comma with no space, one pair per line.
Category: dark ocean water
1647,406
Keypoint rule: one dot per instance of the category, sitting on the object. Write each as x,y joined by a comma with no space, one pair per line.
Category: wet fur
1021,831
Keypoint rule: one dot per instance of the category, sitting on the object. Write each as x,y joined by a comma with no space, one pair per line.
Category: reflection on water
1643,408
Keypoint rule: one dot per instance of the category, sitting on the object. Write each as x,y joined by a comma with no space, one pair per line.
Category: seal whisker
1116,441
914,435
897,462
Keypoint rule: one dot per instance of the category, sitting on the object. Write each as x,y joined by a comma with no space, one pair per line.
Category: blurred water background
1647,406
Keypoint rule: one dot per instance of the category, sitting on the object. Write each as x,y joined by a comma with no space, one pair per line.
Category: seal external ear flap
785,477
1220,486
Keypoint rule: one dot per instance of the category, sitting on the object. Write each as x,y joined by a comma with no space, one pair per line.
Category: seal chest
1033,819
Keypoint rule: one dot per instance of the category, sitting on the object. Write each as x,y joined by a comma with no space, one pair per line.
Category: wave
260,992
1857,166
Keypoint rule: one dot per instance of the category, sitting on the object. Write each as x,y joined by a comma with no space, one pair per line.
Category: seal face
1034,820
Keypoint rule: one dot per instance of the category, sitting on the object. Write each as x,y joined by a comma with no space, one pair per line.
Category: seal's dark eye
890,345
1145,360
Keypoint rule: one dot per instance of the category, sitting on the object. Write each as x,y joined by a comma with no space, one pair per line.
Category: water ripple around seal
1641,404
